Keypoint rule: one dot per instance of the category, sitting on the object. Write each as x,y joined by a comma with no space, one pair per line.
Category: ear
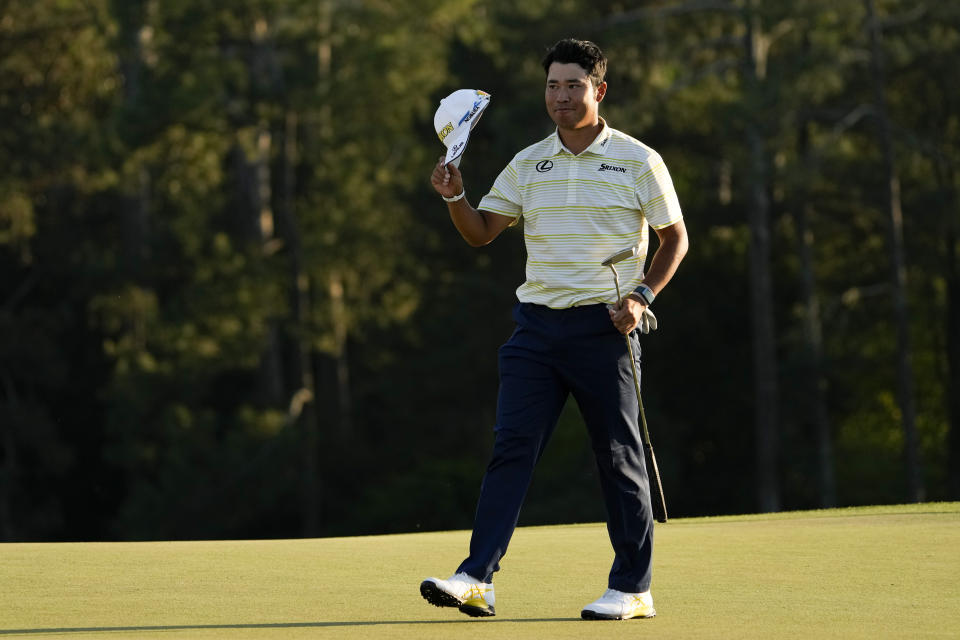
601,91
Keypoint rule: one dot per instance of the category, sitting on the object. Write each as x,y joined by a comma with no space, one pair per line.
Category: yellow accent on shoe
618,605
472,597
476,592
475,601
640,607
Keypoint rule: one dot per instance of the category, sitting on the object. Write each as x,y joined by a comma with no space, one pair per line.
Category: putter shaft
653,472
633,363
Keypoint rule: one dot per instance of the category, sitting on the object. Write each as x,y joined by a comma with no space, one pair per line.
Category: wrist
460,196
645,294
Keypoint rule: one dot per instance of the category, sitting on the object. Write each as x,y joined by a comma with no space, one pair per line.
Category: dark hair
581,52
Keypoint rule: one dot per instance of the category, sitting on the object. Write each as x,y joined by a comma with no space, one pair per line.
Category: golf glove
648,321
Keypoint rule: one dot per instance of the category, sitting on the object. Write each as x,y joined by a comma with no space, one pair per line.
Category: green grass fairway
878,572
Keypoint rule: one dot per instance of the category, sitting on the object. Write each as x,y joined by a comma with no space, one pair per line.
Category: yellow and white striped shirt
579,209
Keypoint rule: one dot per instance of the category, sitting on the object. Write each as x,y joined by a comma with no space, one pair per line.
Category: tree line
231,305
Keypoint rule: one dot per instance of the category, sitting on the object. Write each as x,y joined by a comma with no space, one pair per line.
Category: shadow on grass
268,625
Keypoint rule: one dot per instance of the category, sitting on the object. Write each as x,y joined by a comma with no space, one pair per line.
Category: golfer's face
572,100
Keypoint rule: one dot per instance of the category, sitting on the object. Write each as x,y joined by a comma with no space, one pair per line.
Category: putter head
623,254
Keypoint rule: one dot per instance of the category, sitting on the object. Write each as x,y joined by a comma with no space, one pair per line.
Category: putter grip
657,501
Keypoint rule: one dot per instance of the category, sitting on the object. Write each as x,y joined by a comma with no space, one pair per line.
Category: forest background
232,306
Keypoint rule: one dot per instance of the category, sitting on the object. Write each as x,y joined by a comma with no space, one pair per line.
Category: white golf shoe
468,594
617,605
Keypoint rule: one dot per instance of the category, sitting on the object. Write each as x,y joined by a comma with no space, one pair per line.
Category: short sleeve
656,195
504,197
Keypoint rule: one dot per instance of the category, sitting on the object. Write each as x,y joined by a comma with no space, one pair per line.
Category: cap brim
458,143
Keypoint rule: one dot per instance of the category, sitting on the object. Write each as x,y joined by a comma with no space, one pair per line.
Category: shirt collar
598,146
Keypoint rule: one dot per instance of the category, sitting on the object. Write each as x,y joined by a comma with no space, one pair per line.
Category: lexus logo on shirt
544,165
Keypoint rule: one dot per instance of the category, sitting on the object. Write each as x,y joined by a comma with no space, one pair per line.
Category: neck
577,140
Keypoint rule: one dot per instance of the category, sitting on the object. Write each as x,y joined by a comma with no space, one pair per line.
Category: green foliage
203,202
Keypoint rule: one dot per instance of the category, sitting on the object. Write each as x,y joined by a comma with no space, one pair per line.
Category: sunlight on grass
846,573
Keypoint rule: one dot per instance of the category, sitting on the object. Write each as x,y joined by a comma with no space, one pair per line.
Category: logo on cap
469,114
447,130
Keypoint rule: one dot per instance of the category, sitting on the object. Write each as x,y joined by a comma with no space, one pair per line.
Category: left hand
446,179
632,314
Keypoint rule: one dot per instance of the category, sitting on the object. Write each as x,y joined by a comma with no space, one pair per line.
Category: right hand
631,315
446,180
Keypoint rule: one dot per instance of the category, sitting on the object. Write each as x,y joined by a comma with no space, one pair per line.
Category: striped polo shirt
579,209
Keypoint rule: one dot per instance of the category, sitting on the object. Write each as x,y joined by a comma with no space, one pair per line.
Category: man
584,192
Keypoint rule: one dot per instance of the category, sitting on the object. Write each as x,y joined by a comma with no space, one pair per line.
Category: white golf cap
457,115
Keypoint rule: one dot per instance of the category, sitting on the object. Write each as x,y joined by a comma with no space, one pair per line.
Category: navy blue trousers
551,354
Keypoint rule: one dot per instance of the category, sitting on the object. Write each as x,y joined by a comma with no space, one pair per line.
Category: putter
658,502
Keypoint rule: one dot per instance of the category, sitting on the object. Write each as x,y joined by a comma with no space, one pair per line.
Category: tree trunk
136,209
304,392
905,383
341,363
309,422
953,361
263,197
766,418
260,216
947,179
8,465
136,216
814,381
